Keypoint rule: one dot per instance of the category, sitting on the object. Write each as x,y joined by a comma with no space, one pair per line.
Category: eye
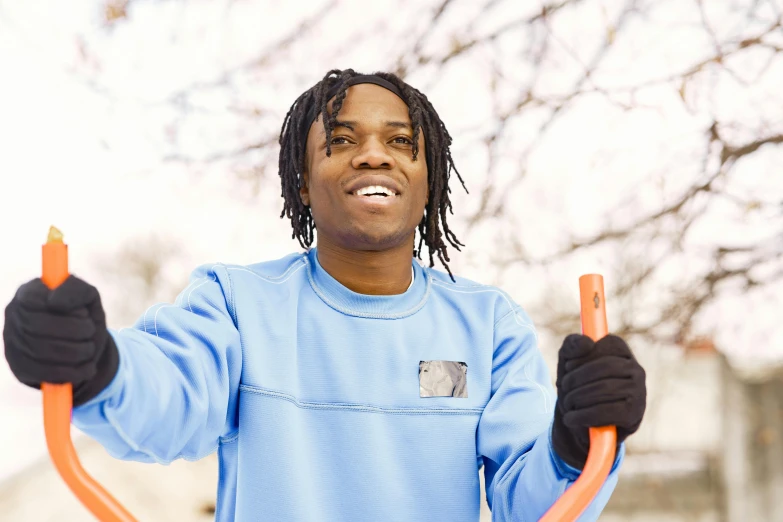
339,140
403,140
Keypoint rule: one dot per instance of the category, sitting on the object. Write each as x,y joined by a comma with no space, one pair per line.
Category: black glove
598,384
60,336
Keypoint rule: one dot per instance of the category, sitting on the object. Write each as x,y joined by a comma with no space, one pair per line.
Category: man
347,382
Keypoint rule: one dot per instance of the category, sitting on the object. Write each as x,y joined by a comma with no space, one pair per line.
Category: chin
374,238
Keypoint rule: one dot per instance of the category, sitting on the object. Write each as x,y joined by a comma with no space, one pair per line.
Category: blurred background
640,139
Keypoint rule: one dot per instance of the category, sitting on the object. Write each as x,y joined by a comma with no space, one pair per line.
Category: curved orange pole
57,404
603,440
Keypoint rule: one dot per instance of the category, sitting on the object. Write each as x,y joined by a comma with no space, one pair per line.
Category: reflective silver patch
443,379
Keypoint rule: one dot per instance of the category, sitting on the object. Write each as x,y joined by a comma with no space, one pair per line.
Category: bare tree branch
744,53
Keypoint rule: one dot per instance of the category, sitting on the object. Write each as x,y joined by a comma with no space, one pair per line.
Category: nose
373,155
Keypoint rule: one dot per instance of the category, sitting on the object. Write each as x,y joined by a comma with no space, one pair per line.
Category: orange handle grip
57,404
603,440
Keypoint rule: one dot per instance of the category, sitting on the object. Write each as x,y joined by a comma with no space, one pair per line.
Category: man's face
370,194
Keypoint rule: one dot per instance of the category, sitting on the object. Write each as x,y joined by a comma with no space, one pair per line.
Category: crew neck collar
348,302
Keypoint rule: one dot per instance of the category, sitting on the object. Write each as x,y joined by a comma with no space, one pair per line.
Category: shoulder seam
529,326
448,284
278,279
231,297
484,288
512,311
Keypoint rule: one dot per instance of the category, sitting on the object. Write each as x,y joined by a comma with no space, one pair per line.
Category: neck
380,272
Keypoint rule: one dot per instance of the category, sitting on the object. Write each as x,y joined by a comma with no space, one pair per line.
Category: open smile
372,197
375,191
375,186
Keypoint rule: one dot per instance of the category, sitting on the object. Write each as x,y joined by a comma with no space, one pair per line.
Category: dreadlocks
423,117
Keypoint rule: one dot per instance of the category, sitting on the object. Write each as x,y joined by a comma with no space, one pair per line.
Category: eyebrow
351,124
399,125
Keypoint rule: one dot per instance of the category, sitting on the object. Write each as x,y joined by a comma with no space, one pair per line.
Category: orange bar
57,405
603,440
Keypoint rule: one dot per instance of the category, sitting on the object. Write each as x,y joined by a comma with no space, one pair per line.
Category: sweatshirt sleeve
523,475
175,391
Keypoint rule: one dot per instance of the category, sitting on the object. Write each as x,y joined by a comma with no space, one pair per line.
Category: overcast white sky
87,159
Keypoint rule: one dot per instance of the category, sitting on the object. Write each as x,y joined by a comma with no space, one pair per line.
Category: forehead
368,103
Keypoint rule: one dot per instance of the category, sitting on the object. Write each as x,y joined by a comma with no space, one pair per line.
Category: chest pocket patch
443,379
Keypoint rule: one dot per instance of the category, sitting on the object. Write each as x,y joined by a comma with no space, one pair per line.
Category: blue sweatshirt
328,405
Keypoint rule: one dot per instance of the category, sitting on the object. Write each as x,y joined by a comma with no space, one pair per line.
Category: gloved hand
598,384
60,336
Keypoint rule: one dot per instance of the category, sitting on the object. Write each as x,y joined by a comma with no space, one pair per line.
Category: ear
304,189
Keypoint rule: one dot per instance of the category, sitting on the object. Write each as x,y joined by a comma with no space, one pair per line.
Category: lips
368,185
375,190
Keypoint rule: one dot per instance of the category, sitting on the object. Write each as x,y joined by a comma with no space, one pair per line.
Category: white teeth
374,190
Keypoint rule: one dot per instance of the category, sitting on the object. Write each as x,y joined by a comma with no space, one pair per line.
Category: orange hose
603,440
57,404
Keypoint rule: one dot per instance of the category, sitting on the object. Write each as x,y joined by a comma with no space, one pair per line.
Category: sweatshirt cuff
569,472
114,385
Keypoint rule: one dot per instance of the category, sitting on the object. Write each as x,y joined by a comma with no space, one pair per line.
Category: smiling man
348,382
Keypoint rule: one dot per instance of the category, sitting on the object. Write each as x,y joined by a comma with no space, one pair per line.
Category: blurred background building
640,139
